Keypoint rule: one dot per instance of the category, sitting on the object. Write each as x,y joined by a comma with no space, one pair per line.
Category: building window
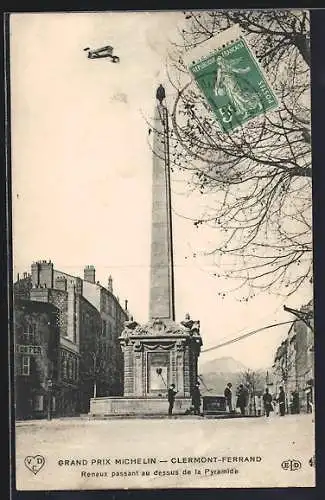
74,369
70,368
64,368
25,365
31,328
29,333
104,328
39,403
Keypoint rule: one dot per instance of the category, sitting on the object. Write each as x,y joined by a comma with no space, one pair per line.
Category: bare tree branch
258,178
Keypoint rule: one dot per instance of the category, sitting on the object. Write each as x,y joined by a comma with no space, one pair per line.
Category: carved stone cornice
161,328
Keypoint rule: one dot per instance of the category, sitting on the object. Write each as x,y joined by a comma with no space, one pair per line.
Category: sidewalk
88,418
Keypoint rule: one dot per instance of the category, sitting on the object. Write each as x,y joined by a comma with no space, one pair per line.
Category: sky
81,171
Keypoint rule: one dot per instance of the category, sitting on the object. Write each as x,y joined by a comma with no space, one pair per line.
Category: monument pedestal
156,355
128,406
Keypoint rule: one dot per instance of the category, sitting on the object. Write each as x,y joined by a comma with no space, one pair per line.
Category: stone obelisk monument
162,301
162,351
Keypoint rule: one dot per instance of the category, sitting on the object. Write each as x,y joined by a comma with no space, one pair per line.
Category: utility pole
285,377
301,315
254,402
49,399
94,372
267,381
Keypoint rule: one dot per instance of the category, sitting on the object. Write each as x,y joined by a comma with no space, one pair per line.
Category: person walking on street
228,396
171,398
267,402
258,404
196,398
241,399
282,402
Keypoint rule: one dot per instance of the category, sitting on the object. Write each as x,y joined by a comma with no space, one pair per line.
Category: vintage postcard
163,326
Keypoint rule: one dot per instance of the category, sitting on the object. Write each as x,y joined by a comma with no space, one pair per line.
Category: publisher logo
34,464
291,465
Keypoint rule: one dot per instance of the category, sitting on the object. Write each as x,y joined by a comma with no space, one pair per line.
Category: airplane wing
106,51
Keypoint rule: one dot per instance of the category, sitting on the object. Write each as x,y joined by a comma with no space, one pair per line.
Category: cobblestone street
97,454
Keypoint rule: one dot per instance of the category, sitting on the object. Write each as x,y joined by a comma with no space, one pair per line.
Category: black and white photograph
161,186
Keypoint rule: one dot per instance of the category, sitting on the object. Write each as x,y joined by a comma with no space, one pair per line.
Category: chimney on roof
89,274
110,284
126,304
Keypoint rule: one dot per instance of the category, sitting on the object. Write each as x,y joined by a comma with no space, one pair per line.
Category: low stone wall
136,406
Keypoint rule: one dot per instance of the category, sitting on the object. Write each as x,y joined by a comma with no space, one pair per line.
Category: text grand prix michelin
103,461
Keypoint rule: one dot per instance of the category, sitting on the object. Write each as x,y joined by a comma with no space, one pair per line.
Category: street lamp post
94,356
49,399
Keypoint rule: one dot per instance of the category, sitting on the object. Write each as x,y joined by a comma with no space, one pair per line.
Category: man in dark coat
160,94
295,402
282,402
228,396
267,402
171,398
196,398
241,399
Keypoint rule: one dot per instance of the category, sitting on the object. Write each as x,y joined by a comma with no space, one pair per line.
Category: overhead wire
246,335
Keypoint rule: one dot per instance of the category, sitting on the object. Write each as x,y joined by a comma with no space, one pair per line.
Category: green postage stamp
231,79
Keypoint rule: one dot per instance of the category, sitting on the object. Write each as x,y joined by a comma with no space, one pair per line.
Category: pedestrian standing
267,402
196,398
171,398
295,402
241,399
258,404
282,402
228,396
309,402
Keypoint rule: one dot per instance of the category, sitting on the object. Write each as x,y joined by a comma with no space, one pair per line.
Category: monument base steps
119,406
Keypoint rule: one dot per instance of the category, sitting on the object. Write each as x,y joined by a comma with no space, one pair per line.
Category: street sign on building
35,350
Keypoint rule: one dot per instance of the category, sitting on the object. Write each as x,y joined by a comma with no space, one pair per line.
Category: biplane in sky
103,52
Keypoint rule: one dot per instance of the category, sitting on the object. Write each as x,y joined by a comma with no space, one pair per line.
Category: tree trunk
302,45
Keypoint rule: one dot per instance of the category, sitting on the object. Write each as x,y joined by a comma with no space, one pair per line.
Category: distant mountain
222,365
216,373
